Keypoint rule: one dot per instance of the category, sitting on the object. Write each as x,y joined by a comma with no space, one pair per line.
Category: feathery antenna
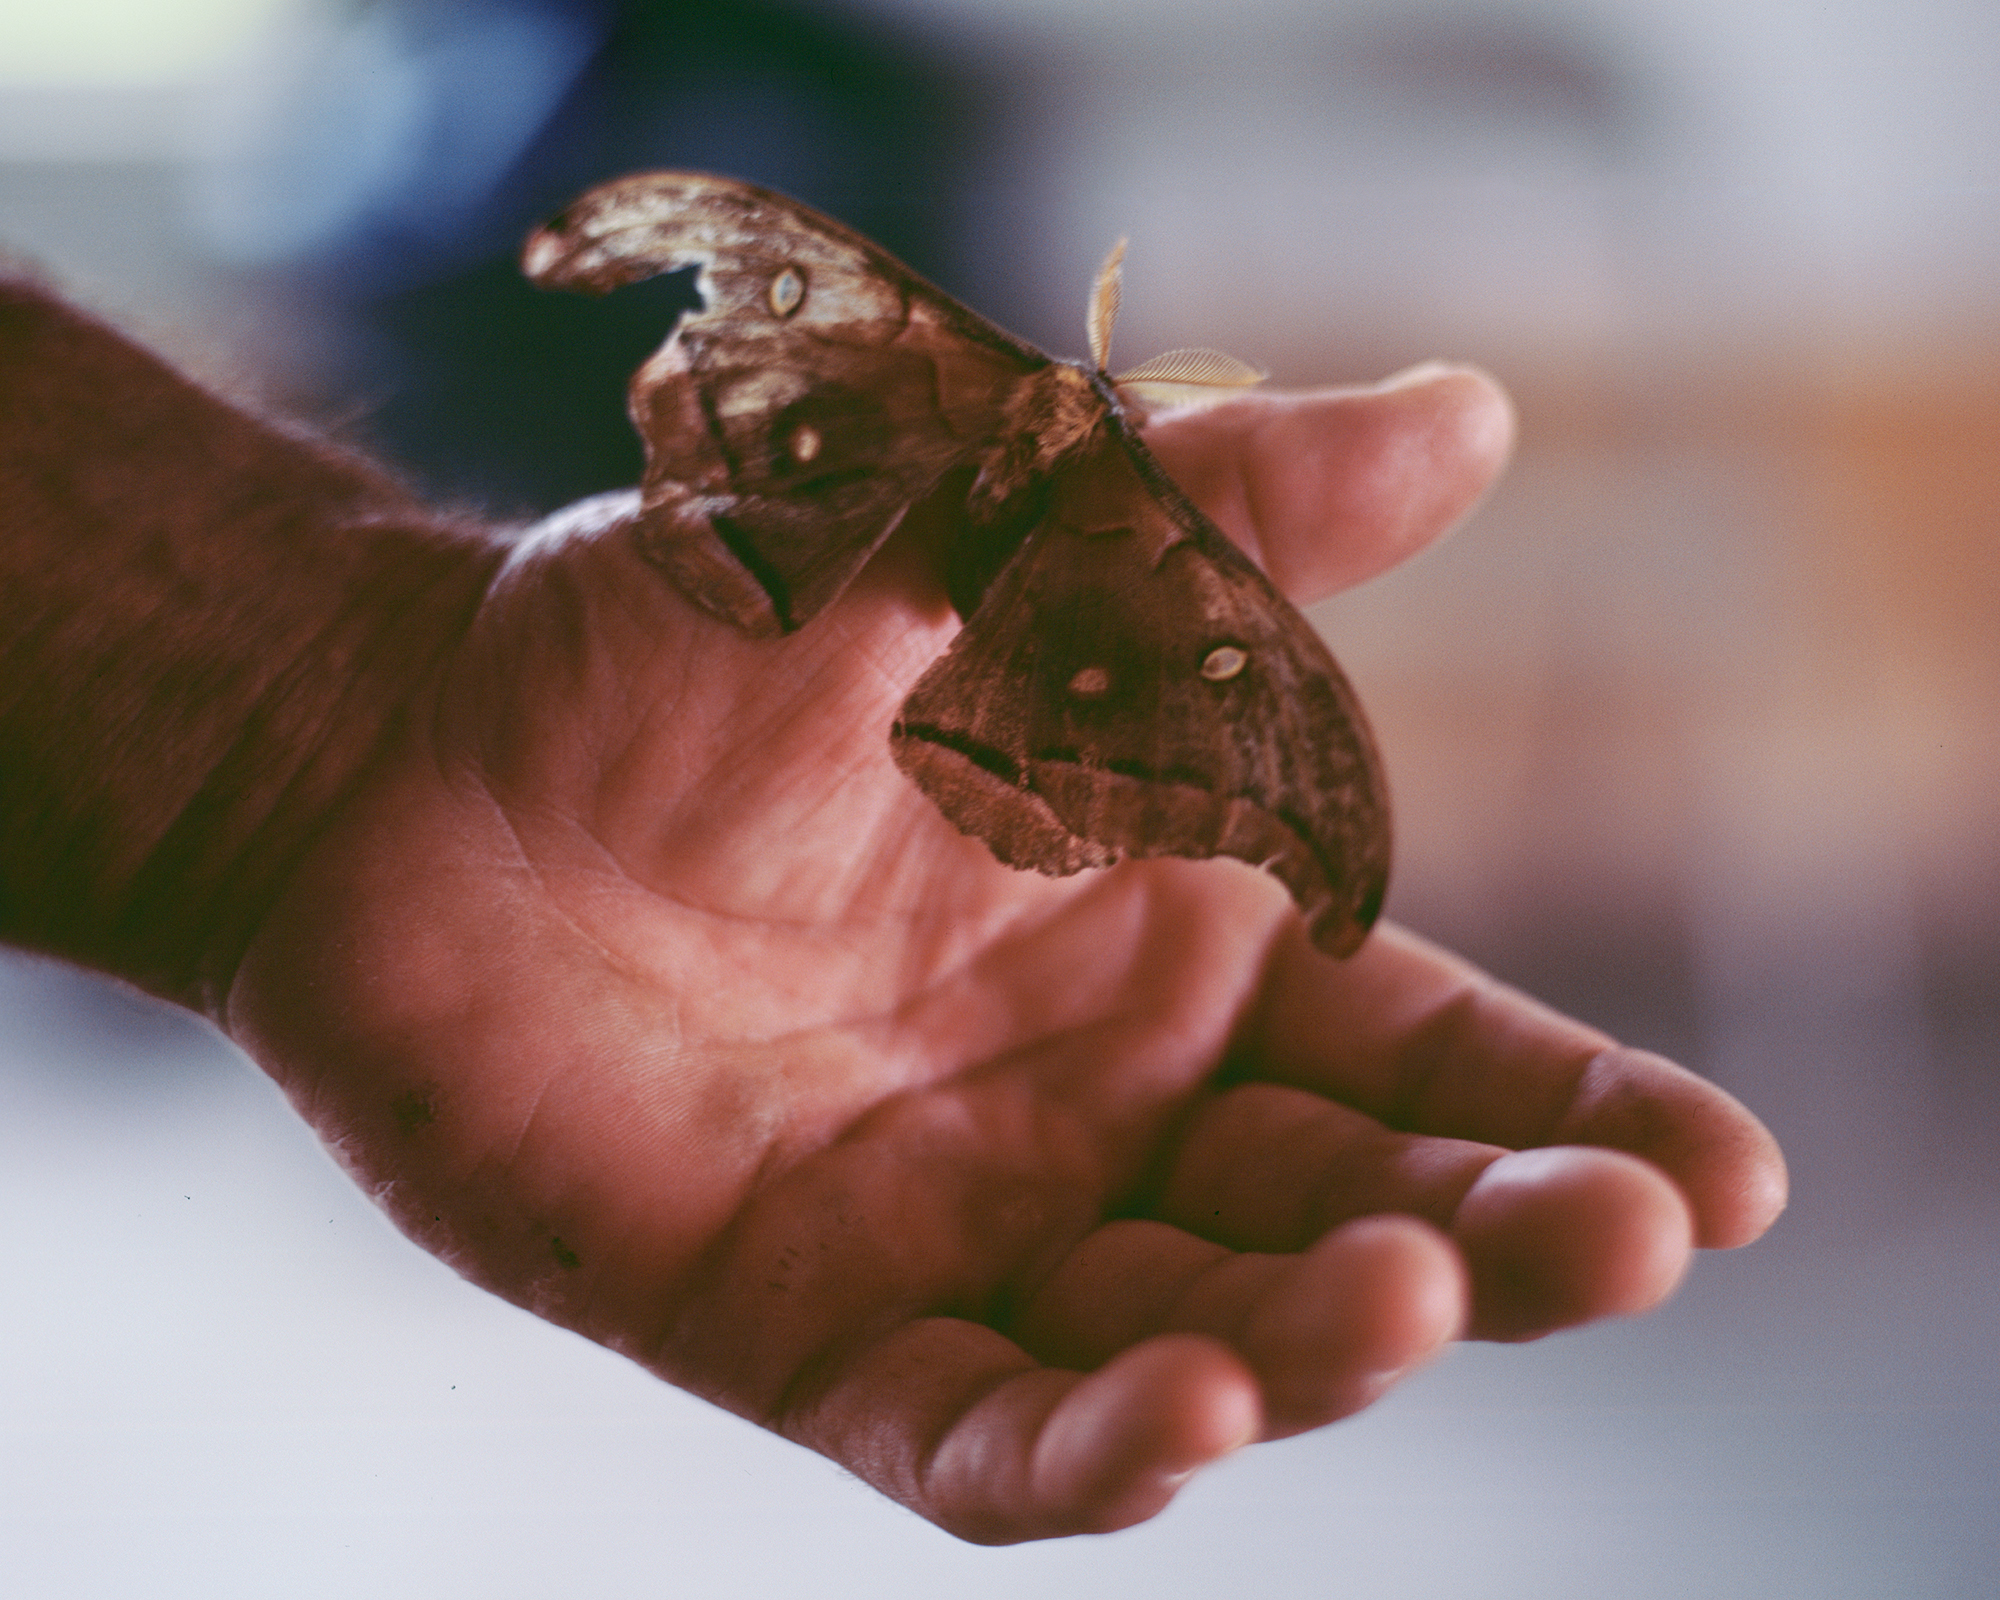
1104,305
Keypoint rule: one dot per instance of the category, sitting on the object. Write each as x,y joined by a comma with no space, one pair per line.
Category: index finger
1425,1042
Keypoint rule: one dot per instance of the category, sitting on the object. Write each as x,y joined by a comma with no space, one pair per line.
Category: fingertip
1727,1163
1121,1443
1438,436
1555,1237
1467,412
1410,1255
1747,1200
1361,1310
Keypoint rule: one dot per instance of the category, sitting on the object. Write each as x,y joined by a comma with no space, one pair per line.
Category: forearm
207,626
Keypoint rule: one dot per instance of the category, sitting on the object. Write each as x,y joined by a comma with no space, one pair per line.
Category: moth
1126,682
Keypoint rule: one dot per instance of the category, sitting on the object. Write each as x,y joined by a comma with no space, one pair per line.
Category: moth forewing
821,389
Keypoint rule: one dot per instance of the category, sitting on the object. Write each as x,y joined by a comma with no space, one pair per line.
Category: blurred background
1692,731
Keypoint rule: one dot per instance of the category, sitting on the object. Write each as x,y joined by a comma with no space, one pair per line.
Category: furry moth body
1126,683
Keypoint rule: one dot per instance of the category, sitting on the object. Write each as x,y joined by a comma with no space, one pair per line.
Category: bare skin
631,977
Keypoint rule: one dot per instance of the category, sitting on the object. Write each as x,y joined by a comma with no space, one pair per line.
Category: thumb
1331,486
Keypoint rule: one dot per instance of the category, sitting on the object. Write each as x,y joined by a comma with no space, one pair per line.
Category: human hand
637,983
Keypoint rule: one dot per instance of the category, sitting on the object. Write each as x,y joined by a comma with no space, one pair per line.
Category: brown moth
1127,683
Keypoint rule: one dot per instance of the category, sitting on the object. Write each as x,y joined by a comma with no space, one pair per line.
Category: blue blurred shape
402,120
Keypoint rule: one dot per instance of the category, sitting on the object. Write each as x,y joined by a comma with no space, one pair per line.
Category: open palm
639,984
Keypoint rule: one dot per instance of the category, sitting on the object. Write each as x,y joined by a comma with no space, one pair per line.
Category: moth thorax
1224,662
1057,408
1049,414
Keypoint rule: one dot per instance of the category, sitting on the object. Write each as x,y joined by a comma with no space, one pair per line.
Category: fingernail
1371,1386
1412,377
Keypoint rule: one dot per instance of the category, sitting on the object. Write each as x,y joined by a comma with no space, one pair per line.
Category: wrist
207,627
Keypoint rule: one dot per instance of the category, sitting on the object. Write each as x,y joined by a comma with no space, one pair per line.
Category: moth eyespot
788,292
1090,683
1223,663
804,443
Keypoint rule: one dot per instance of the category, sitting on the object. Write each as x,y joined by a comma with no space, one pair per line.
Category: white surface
226,1376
